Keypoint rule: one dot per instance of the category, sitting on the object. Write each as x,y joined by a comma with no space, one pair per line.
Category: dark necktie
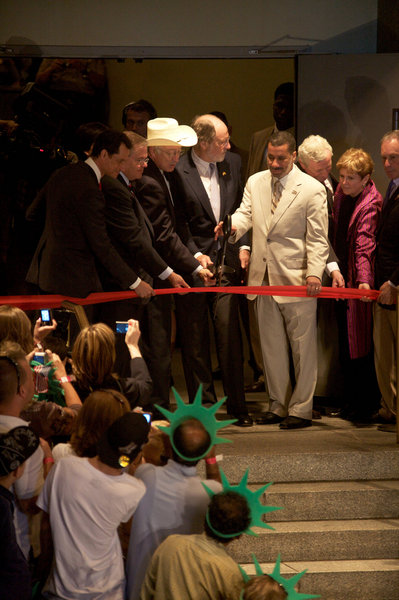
388,194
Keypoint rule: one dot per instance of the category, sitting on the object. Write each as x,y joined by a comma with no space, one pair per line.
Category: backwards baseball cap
122,441
16,446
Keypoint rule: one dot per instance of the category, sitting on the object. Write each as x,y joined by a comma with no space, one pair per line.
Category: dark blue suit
193,204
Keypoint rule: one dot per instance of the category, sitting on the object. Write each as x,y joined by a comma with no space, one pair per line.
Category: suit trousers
192,322
384,335
285,327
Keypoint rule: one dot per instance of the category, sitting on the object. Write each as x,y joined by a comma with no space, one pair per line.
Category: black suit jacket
387,238
75,237
130,231
171,234
193,205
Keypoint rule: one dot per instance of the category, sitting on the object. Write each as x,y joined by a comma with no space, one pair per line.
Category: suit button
264,260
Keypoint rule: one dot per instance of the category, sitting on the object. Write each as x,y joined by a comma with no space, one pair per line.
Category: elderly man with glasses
210,189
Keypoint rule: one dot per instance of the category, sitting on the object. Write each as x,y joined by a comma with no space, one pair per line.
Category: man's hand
313,286
365,286
144,290
337,279
176,280
207,277
219,230
387,294
244,256
204,260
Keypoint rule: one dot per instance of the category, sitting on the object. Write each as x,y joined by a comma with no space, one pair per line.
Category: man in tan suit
287,211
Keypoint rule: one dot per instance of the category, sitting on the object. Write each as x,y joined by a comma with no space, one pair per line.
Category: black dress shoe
291,422
243,421
257,386
268,418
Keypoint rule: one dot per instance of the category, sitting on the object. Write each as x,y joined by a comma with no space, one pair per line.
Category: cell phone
39,357
121,326
46,316
147,416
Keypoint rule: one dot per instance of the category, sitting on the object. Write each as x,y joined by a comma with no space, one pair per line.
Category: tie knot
277,186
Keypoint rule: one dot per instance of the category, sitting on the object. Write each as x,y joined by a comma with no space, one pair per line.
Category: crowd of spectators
105,506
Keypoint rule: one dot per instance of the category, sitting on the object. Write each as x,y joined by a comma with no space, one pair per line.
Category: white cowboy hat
168,132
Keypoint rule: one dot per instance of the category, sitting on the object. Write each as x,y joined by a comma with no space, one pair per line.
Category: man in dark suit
209,190
387,280
75,239
155,193
283,115
315,159
133,236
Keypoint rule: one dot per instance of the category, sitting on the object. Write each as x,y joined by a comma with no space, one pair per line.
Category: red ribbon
55,300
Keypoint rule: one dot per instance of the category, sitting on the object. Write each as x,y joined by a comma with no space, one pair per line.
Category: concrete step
316,501
325,452
322,540
343,580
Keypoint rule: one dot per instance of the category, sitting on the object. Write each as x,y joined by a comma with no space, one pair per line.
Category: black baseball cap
16,446
122,441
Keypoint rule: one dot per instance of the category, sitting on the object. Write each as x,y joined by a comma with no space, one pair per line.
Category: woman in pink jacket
356,209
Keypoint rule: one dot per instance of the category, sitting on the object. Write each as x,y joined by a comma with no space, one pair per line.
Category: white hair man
315,159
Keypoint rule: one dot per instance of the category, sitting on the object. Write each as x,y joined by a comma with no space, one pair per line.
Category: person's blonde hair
93,355
100,409
15,326
356,160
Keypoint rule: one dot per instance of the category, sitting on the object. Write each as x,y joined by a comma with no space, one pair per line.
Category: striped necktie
277,189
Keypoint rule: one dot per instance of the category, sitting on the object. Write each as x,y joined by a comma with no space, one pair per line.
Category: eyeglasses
141,161
171,153
223,143
12,362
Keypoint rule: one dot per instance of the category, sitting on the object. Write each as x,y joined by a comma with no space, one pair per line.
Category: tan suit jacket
292,244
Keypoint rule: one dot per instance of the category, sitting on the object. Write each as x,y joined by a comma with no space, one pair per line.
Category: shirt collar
125,179
284,180
183,469
202,165
89,161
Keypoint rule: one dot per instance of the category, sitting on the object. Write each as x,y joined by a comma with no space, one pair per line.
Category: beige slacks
283,326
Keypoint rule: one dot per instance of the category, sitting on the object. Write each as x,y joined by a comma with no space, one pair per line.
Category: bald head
213,138
191,439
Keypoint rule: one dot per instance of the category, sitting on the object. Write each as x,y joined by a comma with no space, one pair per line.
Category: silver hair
314,147
391,135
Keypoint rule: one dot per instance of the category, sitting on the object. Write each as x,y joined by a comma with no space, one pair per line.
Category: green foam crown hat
287,584
194,411
257,510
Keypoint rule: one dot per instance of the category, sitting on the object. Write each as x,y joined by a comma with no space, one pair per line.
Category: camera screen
45,315
39,357
121,326
147,416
